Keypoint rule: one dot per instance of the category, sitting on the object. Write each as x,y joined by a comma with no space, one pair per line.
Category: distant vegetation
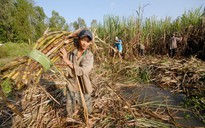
23,21
12,50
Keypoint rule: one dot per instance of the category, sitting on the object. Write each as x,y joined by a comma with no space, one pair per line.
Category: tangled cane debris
42,103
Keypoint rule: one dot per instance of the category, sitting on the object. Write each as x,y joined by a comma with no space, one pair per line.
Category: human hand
63,54
181,38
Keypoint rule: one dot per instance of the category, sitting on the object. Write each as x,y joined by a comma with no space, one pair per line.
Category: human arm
119,42
179,39
64,55
75,33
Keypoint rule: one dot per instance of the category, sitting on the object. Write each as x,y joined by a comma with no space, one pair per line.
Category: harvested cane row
185,75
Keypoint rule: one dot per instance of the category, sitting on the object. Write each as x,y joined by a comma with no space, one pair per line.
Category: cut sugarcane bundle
28,69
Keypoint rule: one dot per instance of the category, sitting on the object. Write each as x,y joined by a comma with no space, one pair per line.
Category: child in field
79,62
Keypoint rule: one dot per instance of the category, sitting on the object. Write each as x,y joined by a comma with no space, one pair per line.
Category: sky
88,10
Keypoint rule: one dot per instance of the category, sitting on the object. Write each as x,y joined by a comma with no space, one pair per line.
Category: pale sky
71,10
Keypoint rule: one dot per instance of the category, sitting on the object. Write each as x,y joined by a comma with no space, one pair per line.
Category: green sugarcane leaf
41,58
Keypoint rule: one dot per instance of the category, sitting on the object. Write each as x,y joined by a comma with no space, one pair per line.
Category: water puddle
153,97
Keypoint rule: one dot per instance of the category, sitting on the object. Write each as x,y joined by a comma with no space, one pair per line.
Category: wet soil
153,96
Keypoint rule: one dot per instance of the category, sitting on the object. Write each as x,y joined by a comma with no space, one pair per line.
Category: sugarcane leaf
41,58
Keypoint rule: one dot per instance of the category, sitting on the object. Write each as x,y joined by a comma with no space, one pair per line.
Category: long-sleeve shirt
82,68
173,42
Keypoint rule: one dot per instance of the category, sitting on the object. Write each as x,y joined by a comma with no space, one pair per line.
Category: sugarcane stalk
15,75
38,74
9,75
83,103
55,58
40,41
69,47
44,39
55,38
26,72
50,44
12,64
54,49
33,65
20,73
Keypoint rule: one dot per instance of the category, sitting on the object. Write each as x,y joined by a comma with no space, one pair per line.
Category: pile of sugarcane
28,69
185,75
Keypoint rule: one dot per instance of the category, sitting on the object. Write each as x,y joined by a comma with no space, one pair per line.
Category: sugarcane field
123,72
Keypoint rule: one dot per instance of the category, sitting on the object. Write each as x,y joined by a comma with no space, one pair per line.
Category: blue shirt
118,44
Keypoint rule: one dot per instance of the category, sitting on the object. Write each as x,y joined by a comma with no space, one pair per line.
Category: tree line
23,21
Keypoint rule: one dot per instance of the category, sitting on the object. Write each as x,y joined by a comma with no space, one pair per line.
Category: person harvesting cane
79,62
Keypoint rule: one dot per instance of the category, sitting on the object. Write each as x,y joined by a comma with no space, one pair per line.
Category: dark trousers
74,102
172,52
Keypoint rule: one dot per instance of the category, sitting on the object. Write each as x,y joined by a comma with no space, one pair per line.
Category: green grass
10,51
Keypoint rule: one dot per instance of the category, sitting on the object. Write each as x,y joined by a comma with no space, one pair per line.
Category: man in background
140,49
173,45
118,45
